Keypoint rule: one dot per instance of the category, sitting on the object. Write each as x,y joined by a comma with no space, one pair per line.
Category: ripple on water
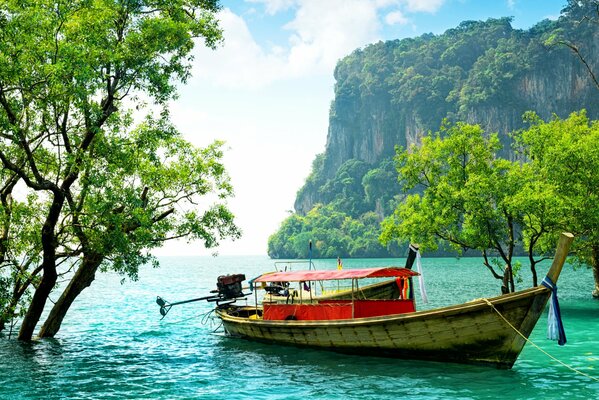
123,350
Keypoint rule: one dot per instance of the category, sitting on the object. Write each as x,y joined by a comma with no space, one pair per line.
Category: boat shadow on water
316,367
285,356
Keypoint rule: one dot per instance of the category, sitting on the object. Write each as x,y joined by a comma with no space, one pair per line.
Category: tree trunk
535,279
511,279
49,277
84,276
34,312
533,263
595,266
505,282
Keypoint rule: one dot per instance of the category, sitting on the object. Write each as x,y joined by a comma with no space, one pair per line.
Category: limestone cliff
487,73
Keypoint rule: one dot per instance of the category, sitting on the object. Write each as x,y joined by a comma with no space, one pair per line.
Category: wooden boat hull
473,332
380,290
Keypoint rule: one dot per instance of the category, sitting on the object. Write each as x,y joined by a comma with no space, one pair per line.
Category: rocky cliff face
393,93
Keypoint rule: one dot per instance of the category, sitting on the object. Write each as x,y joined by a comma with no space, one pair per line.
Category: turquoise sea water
113,345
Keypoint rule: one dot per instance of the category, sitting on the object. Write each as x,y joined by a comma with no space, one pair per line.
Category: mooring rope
537,347
204,316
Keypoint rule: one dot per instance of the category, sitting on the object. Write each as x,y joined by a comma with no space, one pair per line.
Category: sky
266,91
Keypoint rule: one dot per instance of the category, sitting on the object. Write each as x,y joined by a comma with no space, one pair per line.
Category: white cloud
323,32
511,4
386,3
319,35
396,17
240,62
430,6
274,6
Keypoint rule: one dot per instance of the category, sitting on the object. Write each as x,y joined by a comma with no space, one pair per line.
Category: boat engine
229,286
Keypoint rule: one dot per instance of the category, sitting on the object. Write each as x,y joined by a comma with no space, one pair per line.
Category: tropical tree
104,191
465,196
564,156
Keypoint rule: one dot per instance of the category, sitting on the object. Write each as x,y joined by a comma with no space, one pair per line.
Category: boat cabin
357,306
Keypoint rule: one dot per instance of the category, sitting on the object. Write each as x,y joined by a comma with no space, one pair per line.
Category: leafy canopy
98,188
468,197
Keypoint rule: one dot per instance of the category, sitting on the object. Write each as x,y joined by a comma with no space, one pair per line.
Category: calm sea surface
113,345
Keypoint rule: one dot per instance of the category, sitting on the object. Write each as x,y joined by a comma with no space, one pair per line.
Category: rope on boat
204,316
537,347
210,317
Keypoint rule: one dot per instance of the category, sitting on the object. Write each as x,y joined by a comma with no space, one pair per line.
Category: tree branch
490,267
584,61
44,185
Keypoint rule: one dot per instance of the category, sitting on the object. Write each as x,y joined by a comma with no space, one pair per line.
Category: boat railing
282,266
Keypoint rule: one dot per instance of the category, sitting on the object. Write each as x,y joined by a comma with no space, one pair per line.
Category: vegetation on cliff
393,93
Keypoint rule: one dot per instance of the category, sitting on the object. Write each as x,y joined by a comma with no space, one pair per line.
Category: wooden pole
563,246
352,298
256,301
310,252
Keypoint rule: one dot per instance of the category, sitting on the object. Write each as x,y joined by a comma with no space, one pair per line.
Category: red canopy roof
327,275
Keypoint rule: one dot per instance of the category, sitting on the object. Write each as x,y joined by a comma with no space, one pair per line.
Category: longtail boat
489,331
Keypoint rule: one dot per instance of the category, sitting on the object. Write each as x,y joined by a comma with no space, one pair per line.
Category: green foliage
380,187
458,173
349,223
564,156
100,191
433,77
473,199
20,248
333,234
493,75
345,190
153,159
